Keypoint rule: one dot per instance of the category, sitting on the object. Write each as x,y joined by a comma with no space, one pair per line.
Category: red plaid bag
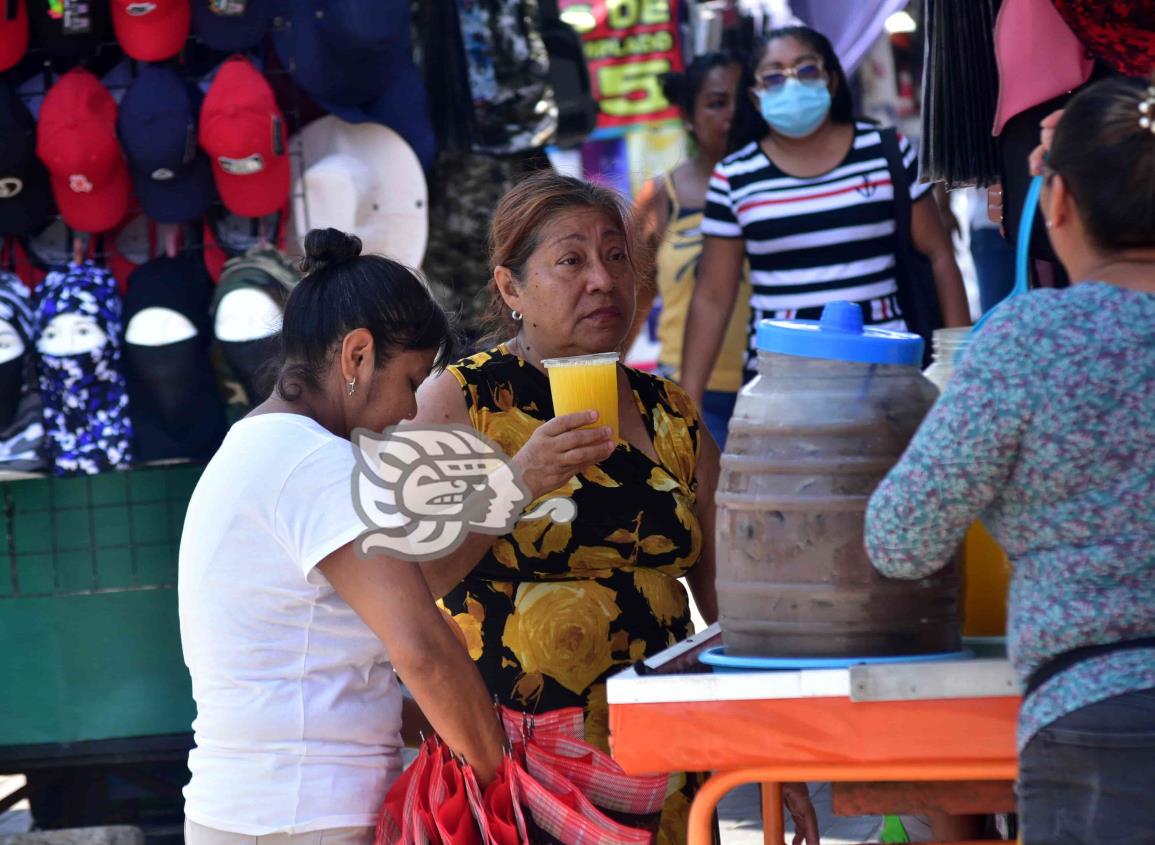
519,726
635,801
563,816
400,801
426,796
452,813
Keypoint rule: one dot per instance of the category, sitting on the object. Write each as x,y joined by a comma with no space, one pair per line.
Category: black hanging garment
251,362
960,93
176,407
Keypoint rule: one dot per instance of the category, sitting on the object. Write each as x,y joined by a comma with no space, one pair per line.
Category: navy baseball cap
157,126
403,106
232,25
26,204
339,51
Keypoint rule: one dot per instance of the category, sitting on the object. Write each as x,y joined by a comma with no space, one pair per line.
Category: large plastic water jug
832,409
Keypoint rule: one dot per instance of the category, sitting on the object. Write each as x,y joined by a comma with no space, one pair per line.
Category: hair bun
325,247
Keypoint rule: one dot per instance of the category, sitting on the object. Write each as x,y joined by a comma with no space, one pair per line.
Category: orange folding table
918,723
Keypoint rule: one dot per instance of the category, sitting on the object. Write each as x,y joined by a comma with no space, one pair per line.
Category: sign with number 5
629,46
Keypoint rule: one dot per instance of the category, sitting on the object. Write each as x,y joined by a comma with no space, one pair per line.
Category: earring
1049,224
515,314
352,385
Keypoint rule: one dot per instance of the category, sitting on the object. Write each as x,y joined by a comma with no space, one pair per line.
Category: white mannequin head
246,314
11,344
157,326
71,334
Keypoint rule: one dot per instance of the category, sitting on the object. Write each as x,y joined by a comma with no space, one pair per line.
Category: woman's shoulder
481,364
741,157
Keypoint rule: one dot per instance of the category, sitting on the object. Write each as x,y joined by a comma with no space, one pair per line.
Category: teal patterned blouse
1047,432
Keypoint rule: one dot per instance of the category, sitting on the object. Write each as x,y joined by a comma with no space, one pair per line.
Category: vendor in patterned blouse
1047,431
552,609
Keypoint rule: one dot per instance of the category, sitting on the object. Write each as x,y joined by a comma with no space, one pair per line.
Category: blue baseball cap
340,51
157,126
232,25
403,106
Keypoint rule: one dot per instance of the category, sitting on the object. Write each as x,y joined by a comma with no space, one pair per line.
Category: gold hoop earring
352,385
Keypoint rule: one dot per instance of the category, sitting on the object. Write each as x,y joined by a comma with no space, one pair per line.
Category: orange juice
987,578
585,383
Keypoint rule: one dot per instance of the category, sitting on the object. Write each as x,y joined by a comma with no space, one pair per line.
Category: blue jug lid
840,336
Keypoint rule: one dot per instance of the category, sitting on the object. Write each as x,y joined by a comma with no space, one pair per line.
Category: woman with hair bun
1045,431
291,636
670,209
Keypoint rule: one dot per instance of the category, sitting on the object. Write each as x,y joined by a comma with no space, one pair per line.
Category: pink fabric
1038,55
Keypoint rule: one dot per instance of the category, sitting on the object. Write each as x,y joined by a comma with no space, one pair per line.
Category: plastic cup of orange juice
585,383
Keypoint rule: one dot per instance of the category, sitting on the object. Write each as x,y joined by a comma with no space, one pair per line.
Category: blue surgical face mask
796,110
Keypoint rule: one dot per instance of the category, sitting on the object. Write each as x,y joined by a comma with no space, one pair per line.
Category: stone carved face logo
422,490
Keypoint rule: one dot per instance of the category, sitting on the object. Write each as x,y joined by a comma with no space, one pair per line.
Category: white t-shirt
298,710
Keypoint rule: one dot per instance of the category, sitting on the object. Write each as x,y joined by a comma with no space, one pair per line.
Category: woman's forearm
445,573
952,296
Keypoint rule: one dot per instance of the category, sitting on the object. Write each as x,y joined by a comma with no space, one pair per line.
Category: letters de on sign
629,45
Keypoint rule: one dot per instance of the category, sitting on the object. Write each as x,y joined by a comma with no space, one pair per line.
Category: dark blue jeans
717,408
994,266
1088,778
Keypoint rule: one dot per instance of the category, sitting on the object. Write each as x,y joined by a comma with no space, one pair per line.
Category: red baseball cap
76,140
151,30
243,131
13,32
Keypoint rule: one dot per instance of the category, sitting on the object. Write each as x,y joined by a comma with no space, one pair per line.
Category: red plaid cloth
564,816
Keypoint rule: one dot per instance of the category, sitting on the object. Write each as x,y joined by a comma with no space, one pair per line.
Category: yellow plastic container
585,383
986,579
987,570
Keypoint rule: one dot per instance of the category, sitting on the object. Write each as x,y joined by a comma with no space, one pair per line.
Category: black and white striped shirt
816,240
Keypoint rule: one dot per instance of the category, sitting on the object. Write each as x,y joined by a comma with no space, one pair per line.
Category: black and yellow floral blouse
553,609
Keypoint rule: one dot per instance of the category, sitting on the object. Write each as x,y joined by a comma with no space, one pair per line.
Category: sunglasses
810,73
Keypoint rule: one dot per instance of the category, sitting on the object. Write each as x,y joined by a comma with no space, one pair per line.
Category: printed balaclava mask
82,385
176,408
21,419
247,325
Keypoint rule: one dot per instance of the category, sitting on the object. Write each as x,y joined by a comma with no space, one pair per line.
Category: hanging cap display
365,180
25,197
232,25
840,336
13,32
157,126
243,131
76,140
71,29
340,50
151,30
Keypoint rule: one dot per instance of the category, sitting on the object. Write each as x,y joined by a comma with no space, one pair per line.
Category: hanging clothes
960,92
21,414
1119,33
487,62
177,411
78,329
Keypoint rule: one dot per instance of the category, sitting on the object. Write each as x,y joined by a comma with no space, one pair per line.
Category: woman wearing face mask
670,210
810,205
290,635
